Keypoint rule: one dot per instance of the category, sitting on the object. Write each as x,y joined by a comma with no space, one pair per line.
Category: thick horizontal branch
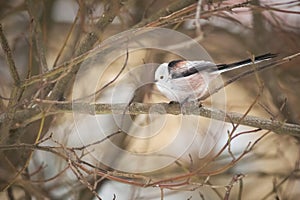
162,108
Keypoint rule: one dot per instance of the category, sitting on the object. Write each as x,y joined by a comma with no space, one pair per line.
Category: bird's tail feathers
257,59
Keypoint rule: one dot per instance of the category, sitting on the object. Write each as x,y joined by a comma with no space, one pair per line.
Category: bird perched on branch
183,80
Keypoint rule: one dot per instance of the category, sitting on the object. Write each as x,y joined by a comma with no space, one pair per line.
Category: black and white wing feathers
182,68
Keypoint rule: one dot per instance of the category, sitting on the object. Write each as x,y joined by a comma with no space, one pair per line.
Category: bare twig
235,178
16,92
241,187
51,178
97,142
82,178
278,185
11,182
272,8
197,18
40,47
9,58
79,166
110,82
87,44
66,40
159,15
183,14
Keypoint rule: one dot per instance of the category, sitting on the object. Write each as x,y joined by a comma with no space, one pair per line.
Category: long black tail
235,65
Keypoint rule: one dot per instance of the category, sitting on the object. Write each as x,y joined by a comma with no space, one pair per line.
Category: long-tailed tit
182,80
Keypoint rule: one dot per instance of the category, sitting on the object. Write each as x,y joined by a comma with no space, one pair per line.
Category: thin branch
82,178
241,186
276,186
110,82
183,14
40,47
86,45
51,178
16,91
197,19
97,142
66,40
165,11
235,178
270,8
173,181
133,179
9,58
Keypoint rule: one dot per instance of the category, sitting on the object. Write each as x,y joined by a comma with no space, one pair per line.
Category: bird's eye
161,77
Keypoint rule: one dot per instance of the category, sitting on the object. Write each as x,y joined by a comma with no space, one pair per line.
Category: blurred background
145,156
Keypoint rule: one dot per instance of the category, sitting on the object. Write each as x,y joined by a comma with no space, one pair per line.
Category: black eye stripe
173,63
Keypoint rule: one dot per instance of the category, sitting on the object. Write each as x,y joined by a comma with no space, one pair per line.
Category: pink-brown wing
195,84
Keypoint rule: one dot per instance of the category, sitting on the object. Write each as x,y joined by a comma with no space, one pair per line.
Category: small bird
185,81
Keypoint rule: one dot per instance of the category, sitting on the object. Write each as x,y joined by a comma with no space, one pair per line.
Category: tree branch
163,108
32,8
173,7
10,61
16,91
87,44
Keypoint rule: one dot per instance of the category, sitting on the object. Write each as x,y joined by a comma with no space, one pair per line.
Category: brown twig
110,82
66,40
97,142
173,182
77,165
157,16
16,92
32,8
9,58
235,178
183,14
86,45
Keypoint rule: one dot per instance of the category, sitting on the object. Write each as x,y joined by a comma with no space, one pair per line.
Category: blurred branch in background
44,44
